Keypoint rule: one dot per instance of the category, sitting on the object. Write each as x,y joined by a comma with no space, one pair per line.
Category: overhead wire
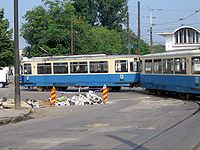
180,19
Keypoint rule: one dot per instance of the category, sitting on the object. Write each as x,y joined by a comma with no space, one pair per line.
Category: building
185,37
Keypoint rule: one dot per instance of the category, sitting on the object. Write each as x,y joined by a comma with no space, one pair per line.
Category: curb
19,118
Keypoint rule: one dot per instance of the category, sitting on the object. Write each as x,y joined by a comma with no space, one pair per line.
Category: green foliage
103,40
6,43
107,13
112,13
158,48
94,25
49,29
87,10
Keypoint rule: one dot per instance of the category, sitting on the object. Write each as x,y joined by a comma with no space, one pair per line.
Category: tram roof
174,53
71,57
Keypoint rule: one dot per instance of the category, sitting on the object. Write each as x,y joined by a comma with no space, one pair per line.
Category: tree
159,48
6,43
112,13
87,9
102,40
107,13
49,28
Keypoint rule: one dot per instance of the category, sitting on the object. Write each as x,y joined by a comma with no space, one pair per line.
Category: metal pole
151,28
128,34
138,27
16,56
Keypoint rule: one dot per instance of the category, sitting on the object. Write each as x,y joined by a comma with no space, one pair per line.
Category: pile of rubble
10,104
89,98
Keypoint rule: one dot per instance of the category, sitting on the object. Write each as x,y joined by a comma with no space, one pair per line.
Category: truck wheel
1,85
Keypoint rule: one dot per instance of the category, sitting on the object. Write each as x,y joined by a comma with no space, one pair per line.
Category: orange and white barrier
53,96
105,94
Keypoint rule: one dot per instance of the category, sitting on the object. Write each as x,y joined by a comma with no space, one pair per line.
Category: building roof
182,27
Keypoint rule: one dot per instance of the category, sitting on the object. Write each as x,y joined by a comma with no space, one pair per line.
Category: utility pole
128,34
72,38
151,28
16,56
138,52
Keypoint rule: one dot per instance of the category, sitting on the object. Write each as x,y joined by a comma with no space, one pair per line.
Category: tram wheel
116,89
158,92
147,91
40,89
189,96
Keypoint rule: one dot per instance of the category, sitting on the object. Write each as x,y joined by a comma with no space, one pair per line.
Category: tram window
196,65
78,67
121,66
99,67
27,69
44,68
157,66
135,66
60,68
168,66
148,66
180,65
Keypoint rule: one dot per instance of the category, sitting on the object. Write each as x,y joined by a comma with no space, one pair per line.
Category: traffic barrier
105,94
53,96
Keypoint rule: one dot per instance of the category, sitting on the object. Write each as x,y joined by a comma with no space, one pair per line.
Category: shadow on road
131,144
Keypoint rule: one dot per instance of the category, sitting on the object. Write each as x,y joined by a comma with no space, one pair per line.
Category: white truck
3,78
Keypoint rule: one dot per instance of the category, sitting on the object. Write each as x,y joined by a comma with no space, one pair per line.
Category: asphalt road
130,120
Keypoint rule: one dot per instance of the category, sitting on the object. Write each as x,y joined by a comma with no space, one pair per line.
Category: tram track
195,147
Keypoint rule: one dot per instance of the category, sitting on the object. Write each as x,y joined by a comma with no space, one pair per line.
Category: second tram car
175,71
81,70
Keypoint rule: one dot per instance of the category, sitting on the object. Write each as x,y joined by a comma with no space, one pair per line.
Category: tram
172,71
115,71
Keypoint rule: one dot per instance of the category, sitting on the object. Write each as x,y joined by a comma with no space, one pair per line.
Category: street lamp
16,56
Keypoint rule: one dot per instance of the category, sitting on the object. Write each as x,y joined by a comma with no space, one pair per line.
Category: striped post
105,94
53,96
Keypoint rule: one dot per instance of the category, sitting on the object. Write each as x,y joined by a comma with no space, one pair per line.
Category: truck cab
3,78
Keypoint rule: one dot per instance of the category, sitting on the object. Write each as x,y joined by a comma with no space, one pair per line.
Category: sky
167,15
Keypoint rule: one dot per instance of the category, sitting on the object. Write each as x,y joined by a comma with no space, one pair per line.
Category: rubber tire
2,85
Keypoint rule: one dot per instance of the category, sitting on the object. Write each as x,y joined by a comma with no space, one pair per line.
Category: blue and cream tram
81,70
176,71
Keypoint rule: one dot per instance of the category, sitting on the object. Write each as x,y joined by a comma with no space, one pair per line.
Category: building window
121,66
60,68
99,67
78,67
44,68
186,36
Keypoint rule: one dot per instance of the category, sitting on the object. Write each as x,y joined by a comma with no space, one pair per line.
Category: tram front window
27,69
